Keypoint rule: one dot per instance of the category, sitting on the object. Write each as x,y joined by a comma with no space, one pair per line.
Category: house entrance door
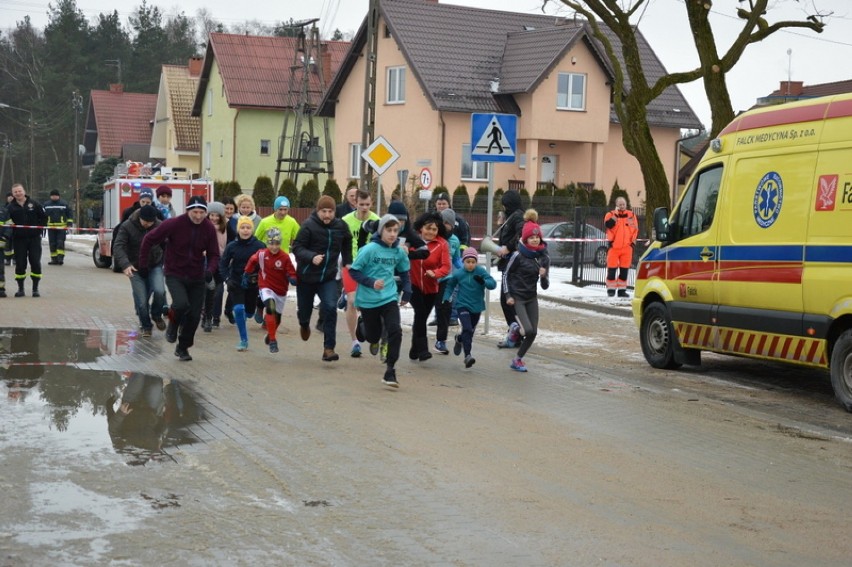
548,169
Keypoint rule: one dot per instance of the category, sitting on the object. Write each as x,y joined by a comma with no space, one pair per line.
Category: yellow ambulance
755,259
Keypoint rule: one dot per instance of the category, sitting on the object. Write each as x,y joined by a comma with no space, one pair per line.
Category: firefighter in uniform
25,212
622,228
59,218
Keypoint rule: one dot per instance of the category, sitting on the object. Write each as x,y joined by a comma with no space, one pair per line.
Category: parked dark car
562,253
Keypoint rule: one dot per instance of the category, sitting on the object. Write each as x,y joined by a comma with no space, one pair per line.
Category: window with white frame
522,161
571,92
396,85
473,170
264,147
354,161
208,151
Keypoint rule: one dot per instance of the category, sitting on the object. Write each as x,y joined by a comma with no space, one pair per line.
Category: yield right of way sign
493,137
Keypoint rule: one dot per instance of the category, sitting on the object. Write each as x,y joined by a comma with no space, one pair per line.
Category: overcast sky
813,58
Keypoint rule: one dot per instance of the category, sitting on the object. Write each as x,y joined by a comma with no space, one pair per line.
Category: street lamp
31,188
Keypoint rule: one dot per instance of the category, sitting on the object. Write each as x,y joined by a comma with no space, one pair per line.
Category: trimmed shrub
309,195
332,189
288,189
264,192
461,200
616,193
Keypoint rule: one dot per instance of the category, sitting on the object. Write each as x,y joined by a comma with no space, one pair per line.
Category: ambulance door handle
707,254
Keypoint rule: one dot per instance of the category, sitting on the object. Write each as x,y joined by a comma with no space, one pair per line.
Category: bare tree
631,89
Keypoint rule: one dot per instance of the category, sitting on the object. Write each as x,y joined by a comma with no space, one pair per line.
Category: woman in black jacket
508,236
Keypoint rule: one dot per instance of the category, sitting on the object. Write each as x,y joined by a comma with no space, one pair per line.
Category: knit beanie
244,220
397,209
164,190
148,213
470,252
385,220
216,207
281,201
146,194
531,229
449,217
326,202
196,202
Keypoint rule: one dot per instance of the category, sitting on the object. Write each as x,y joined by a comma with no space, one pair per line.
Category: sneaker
441,346
506,343
146,333
328,355
457,348
258,316
171,333
389,378
230,317
374,348
305,333
242,346
207,325
215,323
383,352
518,364
454,323
356,350
515,333
359,330
273,346
469,361
341,302
161,325
183,354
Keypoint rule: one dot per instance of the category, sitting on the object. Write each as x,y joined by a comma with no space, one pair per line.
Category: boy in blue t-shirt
377,294
471,281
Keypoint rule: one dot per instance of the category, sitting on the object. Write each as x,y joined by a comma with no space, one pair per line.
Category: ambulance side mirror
661,224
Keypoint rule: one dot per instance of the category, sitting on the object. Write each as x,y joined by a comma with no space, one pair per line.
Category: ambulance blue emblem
768,199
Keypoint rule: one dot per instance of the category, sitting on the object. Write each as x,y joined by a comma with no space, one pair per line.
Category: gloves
610,223
293,281
406,296
479,279
244,281
545,282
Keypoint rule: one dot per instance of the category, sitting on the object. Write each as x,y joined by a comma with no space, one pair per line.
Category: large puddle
55,398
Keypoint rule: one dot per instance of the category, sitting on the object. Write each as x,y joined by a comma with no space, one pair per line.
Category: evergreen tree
597,198
480,200
263,193
288,189
616,193
332,189
309,195
461,200
525,199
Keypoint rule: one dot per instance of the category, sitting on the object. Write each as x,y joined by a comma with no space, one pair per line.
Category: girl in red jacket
424,279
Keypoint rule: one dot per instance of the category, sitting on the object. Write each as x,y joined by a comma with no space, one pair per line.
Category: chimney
791,88
325,58
116,88
195,64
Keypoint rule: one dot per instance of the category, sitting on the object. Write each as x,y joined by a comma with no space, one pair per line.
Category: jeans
143,290
328,294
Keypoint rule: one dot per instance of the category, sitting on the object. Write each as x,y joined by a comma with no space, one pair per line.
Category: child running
520,283
241,287
471,280
276,271
377,294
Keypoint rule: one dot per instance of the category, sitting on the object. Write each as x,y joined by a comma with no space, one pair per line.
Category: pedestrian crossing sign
493,137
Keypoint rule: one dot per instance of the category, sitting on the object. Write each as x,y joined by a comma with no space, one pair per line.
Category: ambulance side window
698,206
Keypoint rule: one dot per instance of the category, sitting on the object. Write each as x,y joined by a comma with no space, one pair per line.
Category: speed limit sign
425,178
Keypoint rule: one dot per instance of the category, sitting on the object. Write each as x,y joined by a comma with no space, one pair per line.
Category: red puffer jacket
438,261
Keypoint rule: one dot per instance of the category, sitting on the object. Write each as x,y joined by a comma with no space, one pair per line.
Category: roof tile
122,118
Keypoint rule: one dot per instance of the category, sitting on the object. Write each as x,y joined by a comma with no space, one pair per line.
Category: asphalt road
590,458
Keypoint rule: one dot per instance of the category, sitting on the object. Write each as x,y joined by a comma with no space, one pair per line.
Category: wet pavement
115,452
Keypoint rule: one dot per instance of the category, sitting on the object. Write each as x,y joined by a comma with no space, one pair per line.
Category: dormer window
571,92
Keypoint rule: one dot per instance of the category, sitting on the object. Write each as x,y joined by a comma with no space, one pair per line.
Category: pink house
437,64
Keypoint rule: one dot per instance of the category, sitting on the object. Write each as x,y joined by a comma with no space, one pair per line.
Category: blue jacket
236,256
471,294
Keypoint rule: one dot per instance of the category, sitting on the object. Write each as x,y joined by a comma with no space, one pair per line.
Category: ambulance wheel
100,261
657,336
841,369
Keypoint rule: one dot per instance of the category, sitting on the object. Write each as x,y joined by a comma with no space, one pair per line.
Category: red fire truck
122,190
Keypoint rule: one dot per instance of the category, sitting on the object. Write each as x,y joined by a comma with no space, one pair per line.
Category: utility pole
368,130
77,104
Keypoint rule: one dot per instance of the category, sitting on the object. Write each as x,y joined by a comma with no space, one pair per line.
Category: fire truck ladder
299,142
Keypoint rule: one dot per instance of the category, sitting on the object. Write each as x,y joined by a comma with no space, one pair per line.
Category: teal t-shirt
379,261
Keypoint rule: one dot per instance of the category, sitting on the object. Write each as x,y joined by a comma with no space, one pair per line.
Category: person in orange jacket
622,228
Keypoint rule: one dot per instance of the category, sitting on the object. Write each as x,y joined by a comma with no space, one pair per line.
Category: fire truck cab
122,190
